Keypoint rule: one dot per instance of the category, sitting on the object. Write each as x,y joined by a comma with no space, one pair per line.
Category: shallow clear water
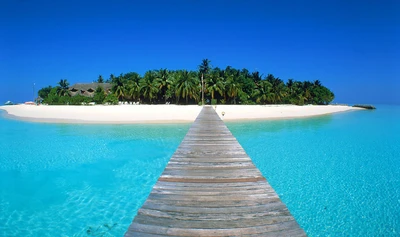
78,180
339,174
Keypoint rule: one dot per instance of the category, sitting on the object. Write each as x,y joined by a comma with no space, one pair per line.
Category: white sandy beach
126,114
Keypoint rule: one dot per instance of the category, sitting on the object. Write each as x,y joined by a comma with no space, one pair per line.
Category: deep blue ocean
338,174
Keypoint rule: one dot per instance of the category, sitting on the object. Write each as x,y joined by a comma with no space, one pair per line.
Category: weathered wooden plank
215,204
142,234
211,187
208,187
197,198
285,233
261,230
179,163
208,191
222,221
210,165
207,137
217,186
216,210
208,155
220,194
213,180
210,159
244,172
201,216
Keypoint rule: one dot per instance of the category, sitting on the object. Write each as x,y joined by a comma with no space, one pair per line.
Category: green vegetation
99,95
45,91
365,106
222,86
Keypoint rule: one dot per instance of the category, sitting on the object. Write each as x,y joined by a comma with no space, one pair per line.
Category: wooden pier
211,187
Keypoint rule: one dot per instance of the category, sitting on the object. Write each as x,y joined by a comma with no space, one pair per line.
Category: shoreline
88,122
162,114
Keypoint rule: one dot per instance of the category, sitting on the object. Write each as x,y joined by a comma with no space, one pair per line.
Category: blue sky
351,46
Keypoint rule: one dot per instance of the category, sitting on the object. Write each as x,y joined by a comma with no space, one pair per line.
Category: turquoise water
339,174
78,180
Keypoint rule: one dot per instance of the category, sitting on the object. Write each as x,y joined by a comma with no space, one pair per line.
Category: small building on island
88,89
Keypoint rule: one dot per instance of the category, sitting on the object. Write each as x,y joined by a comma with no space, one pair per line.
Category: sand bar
127,114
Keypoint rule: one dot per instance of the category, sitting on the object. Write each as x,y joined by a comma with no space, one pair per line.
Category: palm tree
215,83
290,89
164,82
317,83
132,76
279,90
204,69
132,90
263,94
245,73
148,86
246,82
289,85
232,88
111,78
306,89
118,86
229,70
301,98
100,79
256,76
62,90
187,86
297,96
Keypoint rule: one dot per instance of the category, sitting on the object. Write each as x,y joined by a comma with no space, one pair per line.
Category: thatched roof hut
88,89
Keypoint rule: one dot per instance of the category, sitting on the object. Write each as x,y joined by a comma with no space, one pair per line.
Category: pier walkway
211,187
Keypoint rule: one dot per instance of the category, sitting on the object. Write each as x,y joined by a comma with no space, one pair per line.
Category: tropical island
170,96
208,85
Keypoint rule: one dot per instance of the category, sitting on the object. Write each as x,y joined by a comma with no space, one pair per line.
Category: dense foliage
223,86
